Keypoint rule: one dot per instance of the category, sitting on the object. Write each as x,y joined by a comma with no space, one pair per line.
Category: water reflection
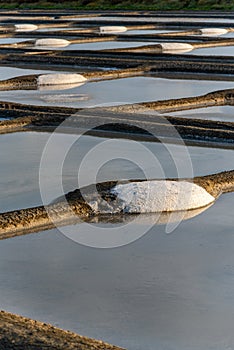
161,292
121,91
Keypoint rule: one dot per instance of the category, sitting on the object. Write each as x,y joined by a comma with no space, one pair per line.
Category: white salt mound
161,196
52,42
25,27
213,31
176,46
113,29
60,78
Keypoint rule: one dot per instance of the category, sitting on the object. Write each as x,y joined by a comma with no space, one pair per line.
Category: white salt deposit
60,78
176,46
113,29
161,196
25,27
52,42
213,31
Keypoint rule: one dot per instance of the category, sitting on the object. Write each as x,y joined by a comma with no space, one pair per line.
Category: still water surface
217,113
163,291
116,92
21,154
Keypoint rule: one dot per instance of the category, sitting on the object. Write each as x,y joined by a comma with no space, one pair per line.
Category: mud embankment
121,119
74,208
160,62
30,82
20,333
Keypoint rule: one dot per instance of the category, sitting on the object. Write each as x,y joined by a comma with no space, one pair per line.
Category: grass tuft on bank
160,5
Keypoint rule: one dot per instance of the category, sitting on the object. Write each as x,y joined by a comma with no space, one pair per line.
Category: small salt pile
60,79
25,27
213,31
52,42
113,29
182,47
161,196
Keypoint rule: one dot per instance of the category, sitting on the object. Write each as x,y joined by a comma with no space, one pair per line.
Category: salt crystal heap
161,196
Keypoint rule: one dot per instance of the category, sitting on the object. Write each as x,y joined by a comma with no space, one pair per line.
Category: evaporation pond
115,92
99,45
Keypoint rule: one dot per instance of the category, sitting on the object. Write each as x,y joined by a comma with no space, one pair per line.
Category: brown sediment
120,119
116,74
215,98
157,48
158,62
214,43
18,333
21,82
16,222
93,35
74,36
180,33
21,122
217,184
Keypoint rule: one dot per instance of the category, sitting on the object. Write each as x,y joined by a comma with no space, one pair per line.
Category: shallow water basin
172,291
116,92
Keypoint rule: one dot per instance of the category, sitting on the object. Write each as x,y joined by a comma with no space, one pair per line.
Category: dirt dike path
74,208
130,120
20,333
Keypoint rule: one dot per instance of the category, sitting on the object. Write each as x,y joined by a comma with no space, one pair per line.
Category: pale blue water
217,113
12,40
11,72
116,92
102,45
214,51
